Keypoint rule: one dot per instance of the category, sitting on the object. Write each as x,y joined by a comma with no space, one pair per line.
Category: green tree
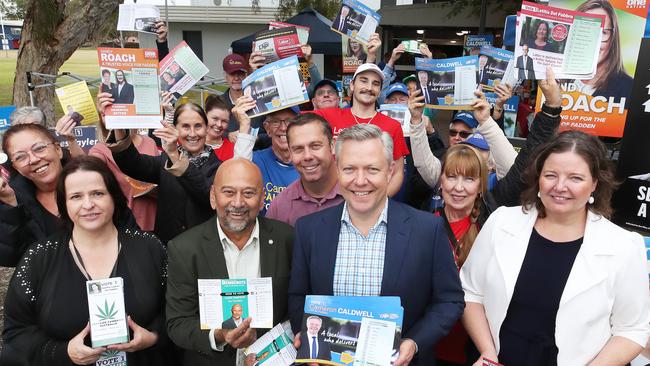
289,8
12,9
52,31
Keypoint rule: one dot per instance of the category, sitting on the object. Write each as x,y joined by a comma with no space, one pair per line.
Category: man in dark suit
481,76
235,320
429,96
235,244
311,345
123,91
340,23
397,250
525,64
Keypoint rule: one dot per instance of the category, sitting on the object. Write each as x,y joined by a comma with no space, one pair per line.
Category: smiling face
42,168
314,325
459,191
218,120
355,46
482,61
88,203
311,152
458,132
365,88
364,174
106,78
423,77
237,195
191,131
463,178
119,76
542,31
565,184
236,311
276,127
325,97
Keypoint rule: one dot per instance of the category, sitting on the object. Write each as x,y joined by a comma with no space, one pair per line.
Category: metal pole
481,29
2,25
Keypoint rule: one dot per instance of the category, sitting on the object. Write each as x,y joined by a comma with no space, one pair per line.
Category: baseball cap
409,78
397,87
324,82
234,62
369,67
467,118
478,141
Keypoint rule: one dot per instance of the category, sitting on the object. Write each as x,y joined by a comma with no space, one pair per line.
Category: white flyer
138,17
375,344
107,312
275,347
225,304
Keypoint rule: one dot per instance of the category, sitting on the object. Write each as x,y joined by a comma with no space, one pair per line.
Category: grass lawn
83,62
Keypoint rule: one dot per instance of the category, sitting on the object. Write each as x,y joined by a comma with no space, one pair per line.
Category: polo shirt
294,203
340,119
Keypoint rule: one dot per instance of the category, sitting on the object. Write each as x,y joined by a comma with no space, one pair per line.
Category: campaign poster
447,83
600,105
86,137
303,31
492,66
5,112
473,43
181,69
354,54
356,20
76,102
131,76
276,44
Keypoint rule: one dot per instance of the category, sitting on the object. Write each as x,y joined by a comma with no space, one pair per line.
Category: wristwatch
551,111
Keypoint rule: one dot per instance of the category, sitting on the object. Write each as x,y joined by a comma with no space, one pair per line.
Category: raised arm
425,162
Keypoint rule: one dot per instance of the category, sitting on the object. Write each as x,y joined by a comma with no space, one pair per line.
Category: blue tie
314,350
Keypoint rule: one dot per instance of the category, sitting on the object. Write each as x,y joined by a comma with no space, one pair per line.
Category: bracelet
551,111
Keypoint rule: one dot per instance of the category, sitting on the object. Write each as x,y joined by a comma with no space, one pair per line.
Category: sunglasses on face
463,134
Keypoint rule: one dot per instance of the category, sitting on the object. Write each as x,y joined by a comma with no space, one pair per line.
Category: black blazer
198,254
324,351
124,97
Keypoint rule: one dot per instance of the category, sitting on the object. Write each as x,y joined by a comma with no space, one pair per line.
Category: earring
591,200
539,194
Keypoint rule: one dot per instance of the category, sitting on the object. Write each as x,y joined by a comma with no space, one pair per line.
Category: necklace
357,121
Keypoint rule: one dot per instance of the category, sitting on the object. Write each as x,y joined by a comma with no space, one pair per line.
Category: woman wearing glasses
28,212
46,310
611,79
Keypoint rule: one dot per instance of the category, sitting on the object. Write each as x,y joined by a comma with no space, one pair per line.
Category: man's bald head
237,195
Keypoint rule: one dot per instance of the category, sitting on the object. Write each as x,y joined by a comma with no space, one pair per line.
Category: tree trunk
52,31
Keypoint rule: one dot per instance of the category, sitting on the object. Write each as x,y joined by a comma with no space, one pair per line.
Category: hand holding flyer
356,20
107,312
76,101
224,304
275,348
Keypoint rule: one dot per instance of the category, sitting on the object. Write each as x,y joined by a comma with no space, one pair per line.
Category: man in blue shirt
275,161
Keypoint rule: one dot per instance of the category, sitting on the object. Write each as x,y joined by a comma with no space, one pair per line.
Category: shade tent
321,38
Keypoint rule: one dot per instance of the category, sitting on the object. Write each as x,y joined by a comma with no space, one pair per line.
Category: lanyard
455,246
83,266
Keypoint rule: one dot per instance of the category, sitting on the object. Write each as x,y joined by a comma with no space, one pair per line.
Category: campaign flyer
181,69
358,330
473,43
5,112
224,304
138,17
447,83
276,86
492,66
275,347
131,76
510,108
107,312
86,137
354,54
279,43
400,113
76,101
356,20
412,47
303,31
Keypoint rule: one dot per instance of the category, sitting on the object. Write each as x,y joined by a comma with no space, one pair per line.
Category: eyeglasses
22,159
607,34
323,92
278,122
463,134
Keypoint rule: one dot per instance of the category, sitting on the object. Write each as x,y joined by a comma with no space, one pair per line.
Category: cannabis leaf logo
107,312
110,353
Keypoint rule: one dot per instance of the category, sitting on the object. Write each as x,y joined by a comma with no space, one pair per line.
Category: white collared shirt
310,338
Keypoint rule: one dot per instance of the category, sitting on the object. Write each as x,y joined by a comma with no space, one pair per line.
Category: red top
342,118
226,150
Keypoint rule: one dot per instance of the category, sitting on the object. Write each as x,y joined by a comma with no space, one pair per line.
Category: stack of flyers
181,69
275,347
303,31
276,44
473,43
568,41
77,102
107,312
492,66
131,76
224,304
138,17
340,330
447,83
356,20
276,86
400,113
412,47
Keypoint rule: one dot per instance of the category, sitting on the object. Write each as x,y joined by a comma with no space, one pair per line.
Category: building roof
219,14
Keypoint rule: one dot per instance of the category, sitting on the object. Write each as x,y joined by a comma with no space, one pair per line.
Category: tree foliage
289,8
13,9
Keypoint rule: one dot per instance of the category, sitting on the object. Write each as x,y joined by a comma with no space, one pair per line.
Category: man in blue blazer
373,246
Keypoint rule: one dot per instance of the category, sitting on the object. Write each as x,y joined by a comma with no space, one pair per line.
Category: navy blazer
418,267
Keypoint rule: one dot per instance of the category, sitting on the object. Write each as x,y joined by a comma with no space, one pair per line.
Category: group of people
494,254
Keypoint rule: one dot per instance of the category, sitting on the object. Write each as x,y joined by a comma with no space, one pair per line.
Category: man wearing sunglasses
461,127
325,95
274,161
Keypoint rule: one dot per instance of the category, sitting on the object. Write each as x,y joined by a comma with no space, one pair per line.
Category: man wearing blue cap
461,127
325,95
477,141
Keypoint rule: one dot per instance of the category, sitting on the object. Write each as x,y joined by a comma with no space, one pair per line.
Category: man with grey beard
236,244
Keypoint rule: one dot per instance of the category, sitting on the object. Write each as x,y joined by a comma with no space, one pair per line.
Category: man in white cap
365,88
